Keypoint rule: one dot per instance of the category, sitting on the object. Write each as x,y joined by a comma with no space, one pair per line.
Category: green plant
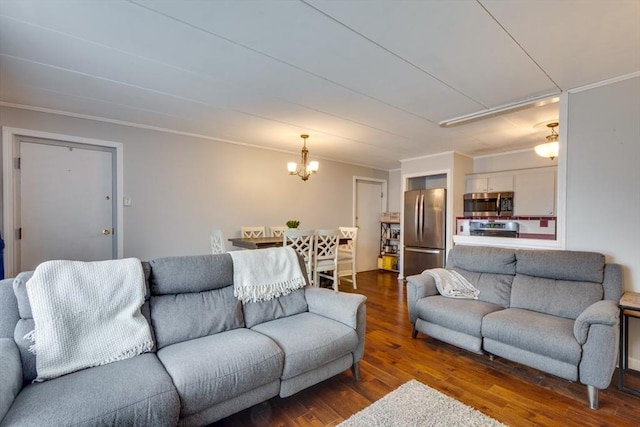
293,223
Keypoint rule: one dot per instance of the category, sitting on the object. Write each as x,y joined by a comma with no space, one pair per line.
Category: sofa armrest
350,309
603,312
11,368
597,329
340,306
419,286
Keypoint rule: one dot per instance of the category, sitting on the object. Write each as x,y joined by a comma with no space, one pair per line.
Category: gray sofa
556,311
213,355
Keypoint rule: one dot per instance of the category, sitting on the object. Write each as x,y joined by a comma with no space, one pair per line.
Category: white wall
394,199
463,165
603,180
521,159
181,186
603,174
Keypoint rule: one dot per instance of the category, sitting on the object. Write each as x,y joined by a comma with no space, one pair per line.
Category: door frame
385,189
10,138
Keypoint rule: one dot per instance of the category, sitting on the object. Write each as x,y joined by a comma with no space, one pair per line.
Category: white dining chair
278,230
302,242
325,257
347,255
251,232
217,242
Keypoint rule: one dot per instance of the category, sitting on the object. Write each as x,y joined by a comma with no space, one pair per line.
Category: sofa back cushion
494,288
561,283
561,265
192,297
482,259
9,314
489,269
26,324
264,311
562,298
288,305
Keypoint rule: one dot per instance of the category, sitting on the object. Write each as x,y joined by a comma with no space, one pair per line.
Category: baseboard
633,364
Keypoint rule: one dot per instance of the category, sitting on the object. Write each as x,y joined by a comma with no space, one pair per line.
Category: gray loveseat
213,355
556,311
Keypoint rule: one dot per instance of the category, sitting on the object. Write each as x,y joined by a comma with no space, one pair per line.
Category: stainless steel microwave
488,204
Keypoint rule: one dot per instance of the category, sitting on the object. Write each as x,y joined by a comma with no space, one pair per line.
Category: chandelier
550,148
305,168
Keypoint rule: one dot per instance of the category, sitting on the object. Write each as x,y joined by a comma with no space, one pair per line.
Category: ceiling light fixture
538,101
306,168
550,148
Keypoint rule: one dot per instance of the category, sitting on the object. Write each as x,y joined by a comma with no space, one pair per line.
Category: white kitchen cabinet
489,184
535,193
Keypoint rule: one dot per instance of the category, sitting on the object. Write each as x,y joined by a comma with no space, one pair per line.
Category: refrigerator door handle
416,219
423,251
421,219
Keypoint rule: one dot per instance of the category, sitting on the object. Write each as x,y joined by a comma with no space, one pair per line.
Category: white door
370,202
65,203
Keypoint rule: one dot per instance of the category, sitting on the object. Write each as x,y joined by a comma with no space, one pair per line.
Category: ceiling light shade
305,168
550,148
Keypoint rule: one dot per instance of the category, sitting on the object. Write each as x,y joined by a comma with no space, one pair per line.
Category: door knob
106,231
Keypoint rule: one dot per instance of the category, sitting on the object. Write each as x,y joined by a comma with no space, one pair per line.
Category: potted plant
293,223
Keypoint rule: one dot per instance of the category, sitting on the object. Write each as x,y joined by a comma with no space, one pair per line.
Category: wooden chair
302,242
278,230
347,255
251,232
325,257
217,242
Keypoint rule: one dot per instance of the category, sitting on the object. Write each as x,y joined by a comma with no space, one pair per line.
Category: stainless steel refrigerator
425,213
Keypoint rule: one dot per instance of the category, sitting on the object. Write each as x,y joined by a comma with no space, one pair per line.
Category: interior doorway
60,198
370,200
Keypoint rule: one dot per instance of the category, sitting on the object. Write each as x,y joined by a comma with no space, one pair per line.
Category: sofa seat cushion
219,367
538,333
136,391
462,315
309,341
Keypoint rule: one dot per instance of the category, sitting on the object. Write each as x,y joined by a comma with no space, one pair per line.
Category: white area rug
415,404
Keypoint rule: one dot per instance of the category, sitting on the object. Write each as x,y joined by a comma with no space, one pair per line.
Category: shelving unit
389,245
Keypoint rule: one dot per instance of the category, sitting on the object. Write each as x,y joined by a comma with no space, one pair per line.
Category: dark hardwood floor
511,393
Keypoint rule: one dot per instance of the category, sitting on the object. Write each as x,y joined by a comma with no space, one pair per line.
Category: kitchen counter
506,242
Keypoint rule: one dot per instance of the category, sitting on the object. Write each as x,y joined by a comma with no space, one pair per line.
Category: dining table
256,242
265,242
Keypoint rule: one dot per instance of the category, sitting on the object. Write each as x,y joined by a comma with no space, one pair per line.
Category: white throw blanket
86,314
264,274
451,284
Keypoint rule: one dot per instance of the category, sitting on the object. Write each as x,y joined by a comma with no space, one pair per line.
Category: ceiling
368,81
